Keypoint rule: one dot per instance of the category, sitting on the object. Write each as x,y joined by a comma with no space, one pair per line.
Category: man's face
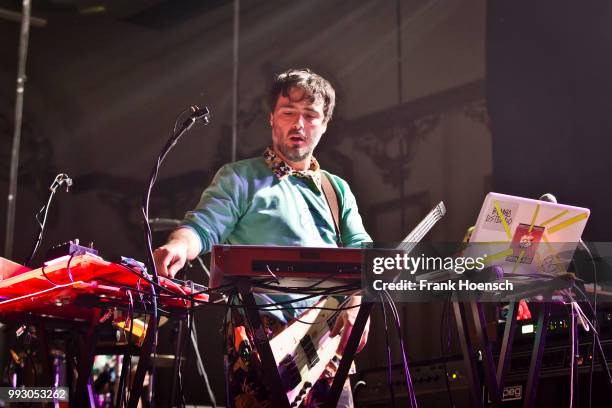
297,125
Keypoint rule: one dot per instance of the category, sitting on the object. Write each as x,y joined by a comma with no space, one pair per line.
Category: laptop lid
528,236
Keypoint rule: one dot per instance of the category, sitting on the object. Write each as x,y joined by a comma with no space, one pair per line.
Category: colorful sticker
525,243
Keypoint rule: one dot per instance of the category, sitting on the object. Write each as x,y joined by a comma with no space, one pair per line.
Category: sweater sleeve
219,209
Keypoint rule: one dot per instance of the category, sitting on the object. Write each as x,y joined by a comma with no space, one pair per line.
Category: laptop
526,236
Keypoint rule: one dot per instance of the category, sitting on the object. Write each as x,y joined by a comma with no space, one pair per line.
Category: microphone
581,244
67,181
197,114
548,197
61,179
200,113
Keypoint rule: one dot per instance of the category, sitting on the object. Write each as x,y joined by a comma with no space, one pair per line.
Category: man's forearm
189,238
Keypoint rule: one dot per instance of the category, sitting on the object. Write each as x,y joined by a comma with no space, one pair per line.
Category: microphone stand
60,179
150,342
197,115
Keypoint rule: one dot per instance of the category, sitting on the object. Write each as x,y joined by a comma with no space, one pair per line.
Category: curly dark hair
316,87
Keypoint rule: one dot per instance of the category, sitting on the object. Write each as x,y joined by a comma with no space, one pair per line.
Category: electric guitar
305,349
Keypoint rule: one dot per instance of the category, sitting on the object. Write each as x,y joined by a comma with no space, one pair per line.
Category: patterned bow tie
281,169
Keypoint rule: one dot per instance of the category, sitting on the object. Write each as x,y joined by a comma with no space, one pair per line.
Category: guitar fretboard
423,227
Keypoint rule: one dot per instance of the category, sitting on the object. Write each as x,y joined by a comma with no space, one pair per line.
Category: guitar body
303,350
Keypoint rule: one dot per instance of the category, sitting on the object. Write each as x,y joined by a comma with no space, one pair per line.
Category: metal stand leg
536,356
468,356
480,324
349,353
506,347
144,363
44,341
278,397
126,362
82,397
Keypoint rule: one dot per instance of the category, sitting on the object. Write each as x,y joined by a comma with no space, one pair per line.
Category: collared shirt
281,169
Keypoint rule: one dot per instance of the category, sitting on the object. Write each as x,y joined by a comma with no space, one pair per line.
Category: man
276,199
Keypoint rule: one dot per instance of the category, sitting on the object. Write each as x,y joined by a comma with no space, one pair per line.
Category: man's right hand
170,258
182,245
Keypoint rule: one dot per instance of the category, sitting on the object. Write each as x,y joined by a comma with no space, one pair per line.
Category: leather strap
332,201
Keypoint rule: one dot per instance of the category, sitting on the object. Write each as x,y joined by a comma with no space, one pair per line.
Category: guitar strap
331,196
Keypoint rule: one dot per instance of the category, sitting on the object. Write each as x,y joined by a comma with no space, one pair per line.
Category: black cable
153,322
266,307
204,303
334,290
181,340
68,266
169,291
157,285
176,119
47,277
197,115
225,334
292,289
407,376
445,345
389,361
597,338
274,305
41,226
594,323
574,313
182,344
126,362
326,292
331,318
585,300
190,327
191,332
317,283
130,359
573,349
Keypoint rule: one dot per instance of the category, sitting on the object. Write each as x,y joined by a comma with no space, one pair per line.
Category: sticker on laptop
525,243
495,222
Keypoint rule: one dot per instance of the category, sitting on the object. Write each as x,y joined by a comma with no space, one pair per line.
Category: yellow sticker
556,217
503,220
535,216
566,223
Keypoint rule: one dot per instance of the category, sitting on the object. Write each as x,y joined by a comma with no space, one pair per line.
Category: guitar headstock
424,226
440,210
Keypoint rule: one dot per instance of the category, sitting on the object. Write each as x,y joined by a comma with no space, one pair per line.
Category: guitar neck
423,227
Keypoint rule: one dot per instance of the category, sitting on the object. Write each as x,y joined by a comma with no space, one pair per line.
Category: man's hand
182,245
344,325
170,258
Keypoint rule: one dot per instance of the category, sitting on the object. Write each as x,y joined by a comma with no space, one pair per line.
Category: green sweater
247,204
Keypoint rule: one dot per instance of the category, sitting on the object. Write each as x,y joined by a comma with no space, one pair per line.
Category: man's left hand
344,325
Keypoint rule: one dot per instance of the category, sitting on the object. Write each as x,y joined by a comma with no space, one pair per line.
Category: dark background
437,100
549,95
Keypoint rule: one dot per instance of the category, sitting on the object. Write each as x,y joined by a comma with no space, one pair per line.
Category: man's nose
298,123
